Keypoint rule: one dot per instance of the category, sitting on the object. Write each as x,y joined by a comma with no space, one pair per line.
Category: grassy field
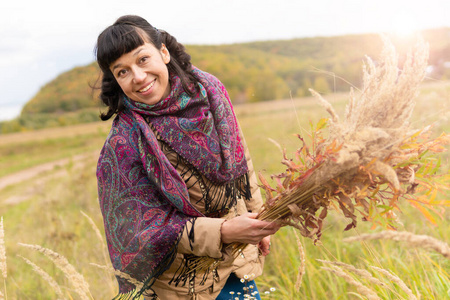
46,208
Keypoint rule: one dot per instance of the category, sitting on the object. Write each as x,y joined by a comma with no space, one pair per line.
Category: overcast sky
41,38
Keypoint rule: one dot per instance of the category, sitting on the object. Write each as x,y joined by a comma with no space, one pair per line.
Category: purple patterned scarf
144,200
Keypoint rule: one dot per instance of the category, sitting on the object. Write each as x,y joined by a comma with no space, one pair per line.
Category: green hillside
251,72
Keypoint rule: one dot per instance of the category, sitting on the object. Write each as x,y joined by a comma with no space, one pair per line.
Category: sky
41,39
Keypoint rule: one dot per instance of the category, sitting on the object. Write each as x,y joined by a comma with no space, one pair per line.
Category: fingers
264,246
247,229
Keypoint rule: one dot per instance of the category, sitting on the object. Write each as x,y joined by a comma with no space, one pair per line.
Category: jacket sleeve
207,239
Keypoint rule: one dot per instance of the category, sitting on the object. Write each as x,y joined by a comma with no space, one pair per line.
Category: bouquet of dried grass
371,159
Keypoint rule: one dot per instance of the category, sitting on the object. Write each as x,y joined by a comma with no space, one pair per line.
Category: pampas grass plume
123,275
302,267
46,277
415,240
2,250
394,278
75,278
362,289
360,272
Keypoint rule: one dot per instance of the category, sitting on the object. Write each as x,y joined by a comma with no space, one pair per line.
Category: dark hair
125,35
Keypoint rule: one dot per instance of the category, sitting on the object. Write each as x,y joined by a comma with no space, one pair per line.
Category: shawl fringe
167,261
227,193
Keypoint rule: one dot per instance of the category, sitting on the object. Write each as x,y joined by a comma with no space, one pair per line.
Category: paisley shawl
143,199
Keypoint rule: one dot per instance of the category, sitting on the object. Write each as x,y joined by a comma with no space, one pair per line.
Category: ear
165,54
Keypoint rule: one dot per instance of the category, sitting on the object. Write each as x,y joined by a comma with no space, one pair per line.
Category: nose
139,75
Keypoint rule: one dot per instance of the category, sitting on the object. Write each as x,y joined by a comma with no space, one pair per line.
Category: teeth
147,87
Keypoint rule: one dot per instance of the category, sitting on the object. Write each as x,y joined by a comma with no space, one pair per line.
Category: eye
144,59
121,73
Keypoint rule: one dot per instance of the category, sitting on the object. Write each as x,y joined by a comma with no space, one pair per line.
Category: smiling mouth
147,87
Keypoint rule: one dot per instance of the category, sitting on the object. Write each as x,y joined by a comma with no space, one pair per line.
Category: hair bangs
116,41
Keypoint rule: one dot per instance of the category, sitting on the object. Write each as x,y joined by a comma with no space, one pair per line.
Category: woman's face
142,73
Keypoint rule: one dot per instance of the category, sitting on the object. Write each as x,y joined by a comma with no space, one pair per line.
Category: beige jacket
207,242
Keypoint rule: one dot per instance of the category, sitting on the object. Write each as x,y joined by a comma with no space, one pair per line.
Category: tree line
251,72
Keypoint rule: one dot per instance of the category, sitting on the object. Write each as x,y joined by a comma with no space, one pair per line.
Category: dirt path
31,176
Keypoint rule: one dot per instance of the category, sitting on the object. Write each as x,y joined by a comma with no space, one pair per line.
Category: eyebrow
134,54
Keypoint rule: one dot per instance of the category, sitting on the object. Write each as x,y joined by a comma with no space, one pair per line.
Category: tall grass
51,216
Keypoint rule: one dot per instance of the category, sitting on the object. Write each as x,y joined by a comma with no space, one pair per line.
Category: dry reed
370,160
395,279
362,289
102,242
360,272
415,240
3,265
76,279
123,275
46,277
302,267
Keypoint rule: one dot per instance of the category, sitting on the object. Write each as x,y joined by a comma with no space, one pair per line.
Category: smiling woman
175,179
142,74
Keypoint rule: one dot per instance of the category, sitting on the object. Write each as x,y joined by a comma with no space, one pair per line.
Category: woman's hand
264,246
246,229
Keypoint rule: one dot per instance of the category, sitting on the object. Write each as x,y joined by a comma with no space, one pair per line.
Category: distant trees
251,72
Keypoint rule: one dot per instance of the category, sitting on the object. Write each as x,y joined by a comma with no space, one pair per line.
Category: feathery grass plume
3,265
102,242
95,228
75,278
423,241
302,267
369,163
394,278
46,277
370,160
360,272
362,289
120,274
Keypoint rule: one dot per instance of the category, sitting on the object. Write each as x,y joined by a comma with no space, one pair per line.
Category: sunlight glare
404,25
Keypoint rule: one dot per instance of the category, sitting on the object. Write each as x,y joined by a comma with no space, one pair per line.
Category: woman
175,179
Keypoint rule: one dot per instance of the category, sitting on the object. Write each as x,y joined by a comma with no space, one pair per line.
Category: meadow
57,208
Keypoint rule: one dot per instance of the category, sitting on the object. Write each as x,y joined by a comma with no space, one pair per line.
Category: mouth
147,87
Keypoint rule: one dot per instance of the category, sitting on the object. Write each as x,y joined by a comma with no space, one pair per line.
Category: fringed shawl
144,201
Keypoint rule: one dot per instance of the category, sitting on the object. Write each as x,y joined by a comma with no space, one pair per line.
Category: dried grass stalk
76,279
370,159
360,272
362,289
302,267
46,277
102,242
423,241
3,265
394,278
95,228
120,274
